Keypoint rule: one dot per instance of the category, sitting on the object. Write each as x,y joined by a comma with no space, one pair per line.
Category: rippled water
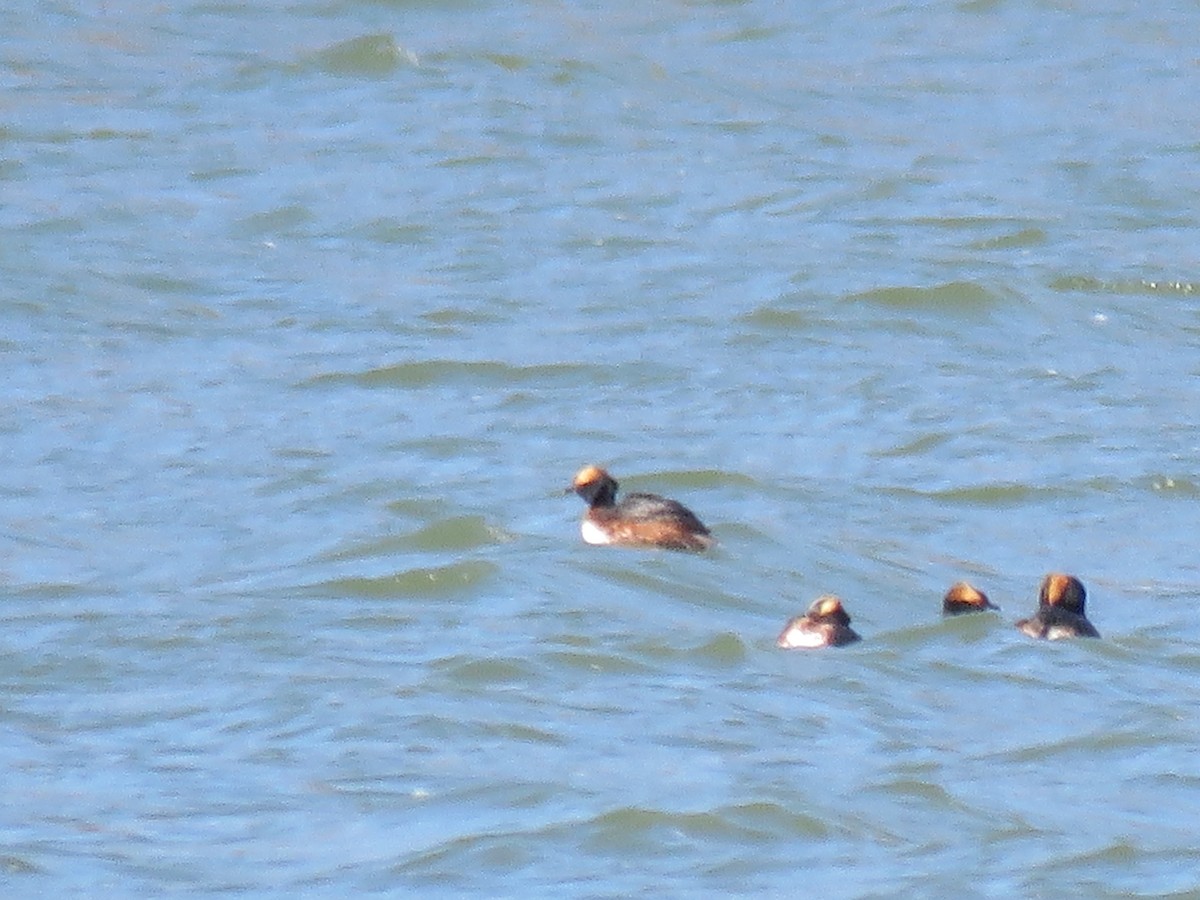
311,310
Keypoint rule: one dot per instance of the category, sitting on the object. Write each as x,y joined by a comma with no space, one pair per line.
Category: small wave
953,295
474,671
367,56
433,581
441,371
1024,237
1089,284
1089,745
996,494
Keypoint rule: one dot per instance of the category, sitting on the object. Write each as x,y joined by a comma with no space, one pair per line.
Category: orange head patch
1061,590
964,596
828,606
588,475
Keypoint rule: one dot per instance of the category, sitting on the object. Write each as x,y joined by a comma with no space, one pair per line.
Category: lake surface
310,311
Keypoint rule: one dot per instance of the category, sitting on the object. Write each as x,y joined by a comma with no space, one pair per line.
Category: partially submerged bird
638,520
1060,613
826,624
965,598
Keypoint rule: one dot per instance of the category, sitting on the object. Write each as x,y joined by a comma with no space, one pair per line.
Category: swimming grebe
826,624
645,520
1060,612
965,598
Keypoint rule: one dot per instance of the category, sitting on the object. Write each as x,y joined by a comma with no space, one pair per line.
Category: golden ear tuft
828,605
1056,587
965,592
588,475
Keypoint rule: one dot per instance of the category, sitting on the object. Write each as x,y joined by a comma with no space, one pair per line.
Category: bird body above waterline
1060,613
638,519
826,624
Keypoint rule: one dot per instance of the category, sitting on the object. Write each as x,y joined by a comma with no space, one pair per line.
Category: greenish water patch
444,371
422,509
220,173
614,246
772,318
475,672
969,628
16,865
55,590
385,623
1088,745
725,649
67,136
1169,486
911,789
962,223
1025,237
158,283
288,219
696,478
368,56
772,820
636,829
461,533
1091,285
471,161
447,448
510,62
596,662
953,295
456,534
436,581
53,225
1014,493
751,35
454,315
642,581
630,829
1000,494
389,230
918,446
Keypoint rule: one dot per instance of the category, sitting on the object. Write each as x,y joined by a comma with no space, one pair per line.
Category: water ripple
454,579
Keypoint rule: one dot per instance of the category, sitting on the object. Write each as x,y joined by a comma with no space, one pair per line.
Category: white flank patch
593,533
799,639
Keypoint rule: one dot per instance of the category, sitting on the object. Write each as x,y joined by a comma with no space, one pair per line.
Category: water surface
311,310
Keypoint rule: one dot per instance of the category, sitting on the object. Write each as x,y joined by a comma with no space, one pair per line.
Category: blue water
310,311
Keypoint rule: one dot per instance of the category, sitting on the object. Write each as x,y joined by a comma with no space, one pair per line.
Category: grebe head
595,486
829,609
965,598
1064,591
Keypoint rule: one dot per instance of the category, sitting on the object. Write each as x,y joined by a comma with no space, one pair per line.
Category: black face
599,492
837,616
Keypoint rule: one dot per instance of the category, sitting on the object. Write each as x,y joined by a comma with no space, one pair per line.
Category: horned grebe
965,598
645,520
826,624
1060,612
